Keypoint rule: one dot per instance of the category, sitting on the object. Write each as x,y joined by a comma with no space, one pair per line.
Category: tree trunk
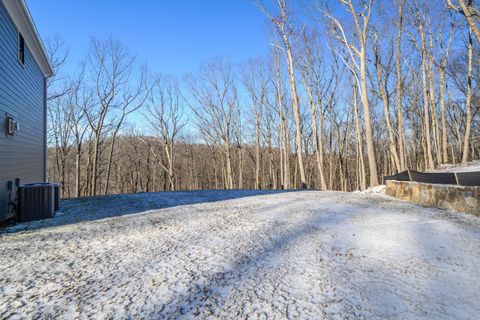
386,110
433,106
296,107
228,167
372,163
430,164
401,139
257,151
469,15
109,165
443,113
359,143
468,102
78,169
240,167
93,189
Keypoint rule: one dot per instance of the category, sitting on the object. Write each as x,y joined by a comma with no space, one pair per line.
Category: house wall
22,96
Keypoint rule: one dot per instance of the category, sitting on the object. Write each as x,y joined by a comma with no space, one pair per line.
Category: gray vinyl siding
22,96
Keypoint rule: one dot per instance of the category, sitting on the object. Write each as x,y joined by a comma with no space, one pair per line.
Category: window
21,48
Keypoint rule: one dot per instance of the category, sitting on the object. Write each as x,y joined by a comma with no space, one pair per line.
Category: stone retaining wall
459,198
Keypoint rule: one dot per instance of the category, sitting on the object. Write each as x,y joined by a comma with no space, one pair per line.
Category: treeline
350,91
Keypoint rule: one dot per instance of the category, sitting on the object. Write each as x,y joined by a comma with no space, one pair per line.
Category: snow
241,254
380,189
465,167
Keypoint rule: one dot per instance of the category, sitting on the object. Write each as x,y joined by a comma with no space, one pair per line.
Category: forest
350,91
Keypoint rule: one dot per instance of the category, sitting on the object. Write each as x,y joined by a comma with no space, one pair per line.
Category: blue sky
172,36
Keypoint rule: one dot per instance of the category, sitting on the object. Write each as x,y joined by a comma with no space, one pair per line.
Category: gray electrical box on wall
12,126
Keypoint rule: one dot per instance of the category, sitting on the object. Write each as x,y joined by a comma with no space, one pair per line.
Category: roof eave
23,20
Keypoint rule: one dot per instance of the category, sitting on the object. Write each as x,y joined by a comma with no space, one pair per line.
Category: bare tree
471,14
254,79
283,127
215,104
283,26
443,74
119,91
421,45
411,99
398,62
320,86
468,103
58,52
359,139
79,99
356,61
59,113
383,71
59,119
166,118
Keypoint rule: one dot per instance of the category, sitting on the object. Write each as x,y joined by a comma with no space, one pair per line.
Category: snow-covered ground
380,189
252,254
466,167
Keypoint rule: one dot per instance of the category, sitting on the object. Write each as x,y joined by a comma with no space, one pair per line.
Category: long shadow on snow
210,296
77,210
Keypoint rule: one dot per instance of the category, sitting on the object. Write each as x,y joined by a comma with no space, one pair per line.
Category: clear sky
172,36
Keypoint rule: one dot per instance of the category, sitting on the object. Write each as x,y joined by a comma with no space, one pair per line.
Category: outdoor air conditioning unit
37,201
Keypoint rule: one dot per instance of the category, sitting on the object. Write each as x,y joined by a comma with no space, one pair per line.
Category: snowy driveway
251,254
